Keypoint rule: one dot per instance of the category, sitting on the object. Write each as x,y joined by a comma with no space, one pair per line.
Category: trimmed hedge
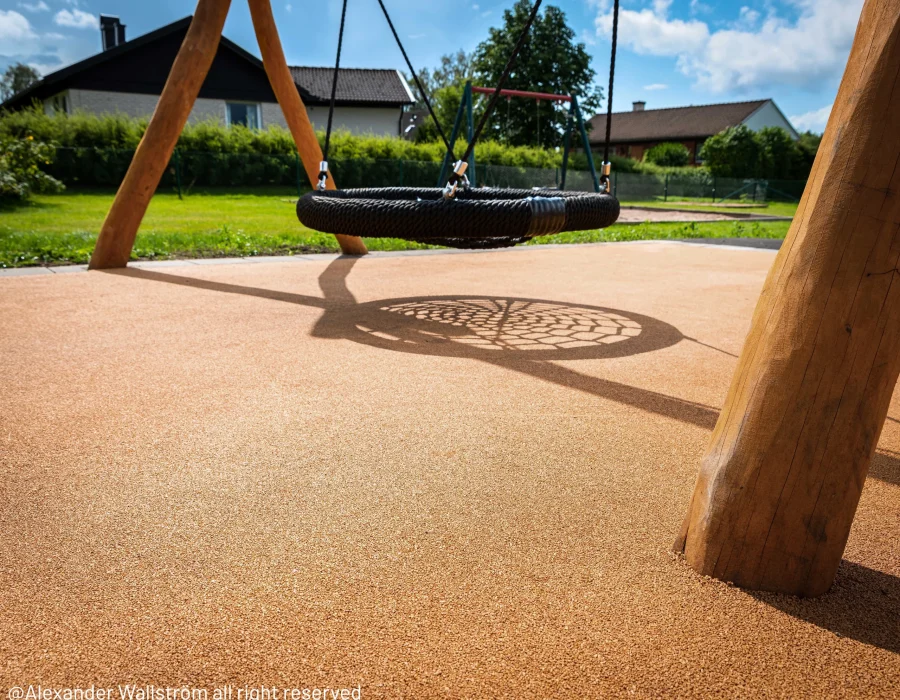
95,150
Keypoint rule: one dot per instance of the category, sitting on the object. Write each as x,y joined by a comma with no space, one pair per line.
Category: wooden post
292,106
191,65
779,485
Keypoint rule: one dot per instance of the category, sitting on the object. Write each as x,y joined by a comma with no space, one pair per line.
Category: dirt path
639,215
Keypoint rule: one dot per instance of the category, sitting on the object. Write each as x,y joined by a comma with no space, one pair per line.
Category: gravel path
637,215
432,476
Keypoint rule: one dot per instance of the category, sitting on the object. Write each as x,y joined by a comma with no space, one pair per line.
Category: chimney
638,106
111,31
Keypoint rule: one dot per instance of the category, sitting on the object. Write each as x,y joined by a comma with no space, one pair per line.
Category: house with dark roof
636,131
128,76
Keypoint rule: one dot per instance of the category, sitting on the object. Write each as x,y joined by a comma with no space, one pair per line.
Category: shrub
20,171
734,152
781,157
668,155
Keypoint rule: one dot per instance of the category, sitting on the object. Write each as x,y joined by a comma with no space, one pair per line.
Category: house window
57,104
243,113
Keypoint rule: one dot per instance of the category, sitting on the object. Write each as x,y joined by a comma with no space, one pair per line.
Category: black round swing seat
474,218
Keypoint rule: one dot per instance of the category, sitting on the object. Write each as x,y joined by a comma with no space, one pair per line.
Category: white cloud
651,34
45,68
748,54
77,19
16,34
747,18
812,121
698,7
39,6
656,86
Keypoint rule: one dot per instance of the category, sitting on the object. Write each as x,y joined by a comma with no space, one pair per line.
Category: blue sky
671,52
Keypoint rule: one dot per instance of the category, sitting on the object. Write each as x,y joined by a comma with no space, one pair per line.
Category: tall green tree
550,61
443,86
780,155
808,145
734,152
16,78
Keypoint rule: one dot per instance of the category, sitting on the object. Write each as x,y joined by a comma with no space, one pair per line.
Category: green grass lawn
60,229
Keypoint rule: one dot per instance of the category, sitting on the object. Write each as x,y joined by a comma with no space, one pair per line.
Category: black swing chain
607,166
323,166
459,168
458,175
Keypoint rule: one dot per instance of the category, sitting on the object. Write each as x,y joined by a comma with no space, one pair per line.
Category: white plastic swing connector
458,178
323,175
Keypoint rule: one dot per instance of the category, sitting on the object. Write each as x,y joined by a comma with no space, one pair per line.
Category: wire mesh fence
187,171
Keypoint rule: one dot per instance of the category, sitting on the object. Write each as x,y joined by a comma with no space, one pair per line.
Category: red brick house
636,131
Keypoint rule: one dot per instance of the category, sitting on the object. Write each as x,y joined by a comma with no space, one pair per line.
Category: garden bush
118,132
21,173
668,155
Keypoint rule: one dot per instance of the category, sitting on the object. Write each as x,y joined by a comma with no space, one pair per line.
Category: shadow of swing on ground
522,335
526,336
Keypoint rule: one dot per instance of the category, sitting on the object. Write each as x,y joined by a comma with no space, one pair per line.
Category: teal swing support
466,111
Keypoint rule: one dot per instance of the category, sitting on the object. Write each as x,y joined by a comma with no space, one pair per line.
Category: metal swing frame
466,111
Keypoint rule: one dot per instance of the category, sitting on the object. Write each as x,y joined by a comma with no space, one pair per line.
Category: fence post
400,166
178,172
714,189
615,183
666,191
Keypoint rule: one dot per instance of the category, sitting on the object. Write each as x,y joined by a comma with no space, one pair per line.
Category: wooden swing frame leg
781,480
197,52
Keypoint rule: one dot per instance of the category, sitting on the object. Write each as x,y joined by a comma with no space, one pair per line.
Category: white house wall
769,115
382,121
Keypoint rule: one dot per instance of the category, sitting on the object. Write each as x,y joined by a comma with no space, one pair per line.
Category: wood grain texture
116,239
780,483
292,106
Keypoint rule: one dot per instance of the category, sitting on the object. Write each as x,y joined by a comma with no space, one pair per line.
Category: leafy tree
17,77
770,153
780,154
734,152
455,69
550,61
669,155
808,146
443,87
445,101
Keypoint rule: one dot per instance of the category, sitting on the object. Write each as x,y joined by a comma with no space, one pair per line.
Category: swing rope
604,177
469,217
323,166
496,94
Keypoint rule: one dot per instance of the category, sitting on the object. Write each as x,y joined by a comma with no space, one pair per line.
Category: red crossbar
525,93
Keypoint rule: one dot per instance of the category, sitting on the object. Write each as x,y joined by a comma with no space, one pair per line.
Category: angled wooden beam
292,106
781,480
116,239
